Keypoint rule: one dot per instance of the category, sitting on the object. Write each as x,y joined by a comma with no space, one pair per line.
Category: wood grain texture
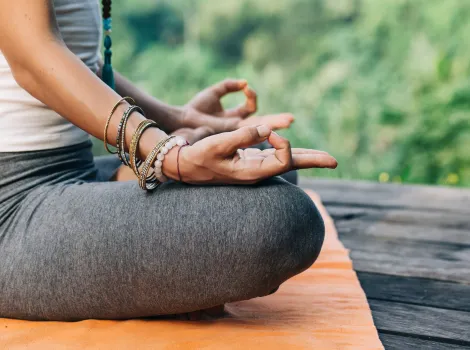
395,256
434,323
418,291
435,219
398,342
411,248
413,231
372,195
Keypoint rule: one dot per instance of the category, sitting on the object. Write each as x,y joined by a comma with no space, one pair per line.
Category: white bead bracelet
177,141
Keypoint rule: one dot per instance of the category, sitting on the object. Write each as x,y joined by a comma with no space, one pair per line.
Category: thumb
227,86
229,142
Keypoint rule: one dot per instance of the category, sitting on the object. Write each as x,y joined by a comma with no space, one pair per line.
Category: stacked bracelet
108,121
148,180
121,135
134,162
145,181
177,141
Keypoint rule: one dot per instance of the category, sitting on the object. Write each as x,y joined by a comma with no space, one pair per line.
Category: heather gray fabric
73,246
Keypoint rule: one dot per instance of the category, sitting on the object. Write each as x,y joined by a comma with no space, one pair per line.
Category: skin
44,67
204,111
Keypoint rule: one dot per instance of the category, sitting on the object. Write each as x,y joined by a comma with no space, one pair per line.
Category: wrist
149,138
170,164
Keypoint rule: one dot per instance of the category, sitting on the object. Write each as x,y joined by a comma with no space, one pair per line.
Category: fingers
275,121
294,151
282,150
258,167
251,100
247,109
228,85
312,160
300,158
228,143
307,151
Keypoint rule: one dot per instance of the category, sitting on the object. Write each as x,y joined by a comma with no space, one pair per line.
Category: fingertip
242,83
334,164
275,134
249,92
228,85
277,141
331,163
290,117
264,130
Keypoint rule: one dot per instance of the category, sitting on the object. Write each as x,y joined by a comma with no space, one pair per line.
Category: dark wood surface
410,246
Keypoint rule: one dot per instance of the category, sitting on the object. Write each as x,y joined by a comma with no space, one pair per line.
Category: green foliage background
383,85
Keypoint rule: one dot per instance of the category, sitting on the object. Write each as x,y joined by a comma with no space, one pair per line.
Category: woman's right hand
223,159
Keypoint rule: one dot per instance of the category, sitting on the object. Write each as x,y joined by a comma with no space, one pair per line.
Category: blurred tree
382,85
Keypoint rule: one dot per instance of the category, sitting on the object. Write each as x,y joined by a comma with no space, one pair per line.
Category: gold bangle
108,121
144,182
143,125
121,137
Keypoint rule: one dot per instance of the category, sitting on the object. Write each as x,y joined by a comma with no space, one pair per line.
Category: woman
74,245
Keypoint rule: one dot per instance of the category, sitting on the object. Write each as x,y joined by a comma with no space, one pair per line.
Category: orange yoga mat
322,308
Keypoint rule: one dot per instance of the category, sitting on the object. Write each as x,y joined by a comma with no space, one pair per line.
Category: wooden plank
418,291
444,272
407,216
442,261
398,342
409,231
372,195
437,324
407,248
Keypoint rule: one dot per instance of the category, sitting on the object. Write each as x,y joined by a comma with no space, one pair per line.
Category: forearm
168,117
43,66
61,81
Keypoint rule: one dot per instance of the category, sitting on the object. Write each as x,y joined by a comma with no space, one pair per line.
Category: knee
297,231
288,237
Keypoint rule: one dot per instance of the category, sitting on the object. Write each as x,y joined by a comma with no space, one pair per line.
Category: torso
26,124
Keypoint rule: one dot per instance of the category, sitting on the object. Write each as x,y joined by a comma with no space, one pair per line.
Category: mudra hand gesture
204,115
222,159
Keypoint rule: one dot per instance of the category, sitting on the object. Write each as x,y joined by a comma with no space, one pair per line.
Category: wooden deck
410,246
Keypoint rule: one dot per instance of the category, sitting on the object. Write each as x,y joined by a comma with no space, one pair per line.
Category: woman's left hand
206,110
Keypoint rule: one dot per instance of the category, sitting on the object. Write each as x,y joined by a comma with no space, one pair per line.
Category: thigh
109,250
107,167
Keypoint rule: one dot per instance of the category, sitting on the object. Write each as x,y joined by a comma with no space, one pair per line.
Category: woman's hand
200,111
220,159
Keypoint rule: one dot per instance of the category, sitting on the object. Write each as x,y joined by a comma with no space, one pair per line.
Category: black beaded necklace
107,73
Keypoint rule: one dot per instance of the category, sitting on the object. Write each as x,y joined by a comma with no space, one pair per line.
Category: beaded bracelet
178,161
121,135
169,144
144,183
144,125
108,121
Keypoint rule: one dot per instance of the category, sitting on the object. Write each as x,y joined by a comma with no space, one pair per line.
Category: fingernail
263,130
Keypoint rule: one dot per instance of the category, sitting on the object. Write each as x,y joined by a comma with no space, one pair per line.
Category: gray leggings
75,246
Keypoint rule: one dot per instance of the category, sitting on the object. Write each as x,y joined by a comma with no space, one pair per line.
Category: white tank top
26,124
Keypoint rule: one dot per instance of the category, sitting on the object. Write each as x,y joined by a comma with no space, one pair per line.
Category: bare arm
168,117
49,71
43,66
